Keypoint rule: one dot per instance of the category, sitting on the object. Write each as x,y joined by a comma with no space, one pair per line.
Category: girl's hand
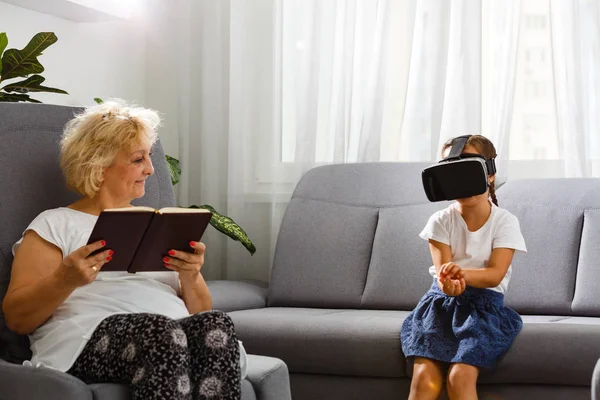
453,287
451,279
451,271
187,264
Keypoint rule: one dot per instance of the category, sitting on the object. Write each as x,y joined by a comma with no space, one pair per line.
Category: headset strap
457,147
491,166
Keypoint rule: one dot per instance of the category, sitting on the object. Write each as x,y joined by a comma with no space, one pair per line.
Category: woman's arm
194,291
41,281
35,290
492,275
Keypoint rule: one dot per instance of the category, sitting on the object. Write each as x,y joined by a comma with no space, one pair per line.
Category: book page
137,208
180,210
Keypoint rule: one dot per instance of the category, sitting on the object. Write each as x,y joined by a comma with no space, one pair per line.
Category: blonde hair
93,138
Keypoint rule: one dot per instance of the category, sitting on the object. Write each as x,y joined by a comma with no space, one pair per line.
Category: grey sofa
30,182
349,266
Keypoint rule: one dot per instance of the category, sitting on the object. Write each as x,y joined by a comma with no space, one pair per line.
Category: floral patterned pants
160,358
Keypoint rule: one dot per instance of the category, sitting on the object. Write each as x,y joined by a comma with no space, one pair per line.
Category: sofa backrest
31,182
349,239
559,220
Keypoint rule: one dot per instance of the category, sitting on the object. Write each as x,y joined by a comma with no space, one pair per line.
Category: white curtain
500,32
256,93
575,27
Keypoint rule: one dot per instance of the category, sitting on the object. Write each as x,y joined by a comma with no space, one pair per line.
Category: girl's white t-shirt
59,341
471,250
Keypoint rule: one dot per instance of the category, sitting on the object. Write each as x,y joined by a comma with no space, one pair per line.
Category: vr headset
458,175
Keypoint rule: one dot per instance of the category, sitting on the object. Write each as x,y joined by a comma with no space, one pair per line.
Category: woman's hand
187,264
451,279
194,291
80,268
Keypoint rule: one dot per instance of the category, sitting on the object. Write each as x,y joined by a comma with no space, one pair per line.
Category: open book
142,236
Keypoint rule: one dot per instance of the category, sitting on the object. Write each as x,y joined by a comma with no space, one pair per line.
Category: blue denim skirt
474,328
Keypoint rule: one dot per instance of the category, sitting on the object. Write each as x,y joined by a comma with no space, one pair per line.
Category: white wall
101,59
162,81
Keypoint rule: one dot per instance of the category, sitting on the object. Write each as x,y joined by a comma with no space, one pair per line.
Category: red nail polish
110,252
103,243
171,253
192,244
166,259
108,258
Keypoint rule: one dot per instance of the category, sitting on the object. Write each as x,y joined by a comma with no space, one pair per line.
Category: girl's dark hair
486,148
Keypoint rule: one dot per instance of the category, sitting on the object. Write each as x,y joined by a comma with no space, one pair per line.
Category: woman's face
473,200
125,179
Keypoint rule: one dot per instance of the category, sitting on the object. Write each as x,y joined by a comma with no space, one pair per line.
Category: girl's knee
462,377
426,379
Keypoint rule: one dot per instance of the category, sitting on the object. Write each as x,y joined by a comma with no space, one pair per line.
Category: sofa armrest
238,295
18,382
596,382
269,377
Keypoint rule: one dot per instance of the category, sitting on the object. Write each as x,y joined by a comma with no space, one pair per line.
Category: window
311,40
534,133
536,21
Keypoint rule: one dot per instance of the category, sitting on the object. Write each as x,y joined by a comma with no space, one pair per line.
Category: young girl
461,323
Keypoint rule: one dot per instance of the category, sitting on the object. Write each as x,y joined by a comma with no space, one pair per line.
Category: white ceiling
80,10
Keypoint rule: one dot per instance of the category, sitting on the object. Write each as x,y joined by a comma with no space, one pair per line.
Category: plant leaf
98,100
15,98
24,62
174,169
31,84
3,44
227,226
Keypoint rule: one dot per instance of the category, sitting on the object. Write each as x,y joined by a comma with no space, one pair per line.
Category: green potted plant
24,64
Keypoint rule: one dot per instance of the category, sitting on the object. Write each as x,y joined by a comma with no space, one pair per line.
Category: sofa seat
326,341
545,350
366,343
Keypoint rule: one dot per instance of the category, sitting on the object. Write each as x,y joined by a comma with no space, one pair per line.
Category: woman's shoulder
61,216
56,213
65,212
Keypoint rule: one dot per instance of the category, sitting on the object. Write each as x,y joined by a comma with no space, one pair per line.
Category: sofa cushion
550,213
555,350
309,274
326,341
399,271
367,343
326,237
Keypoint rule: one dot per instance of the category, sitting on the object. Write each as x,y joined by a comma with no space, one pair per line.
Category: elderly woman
154,330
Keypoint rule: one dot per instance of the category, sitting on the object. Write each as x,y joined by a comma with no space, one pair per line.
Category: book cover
141,236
